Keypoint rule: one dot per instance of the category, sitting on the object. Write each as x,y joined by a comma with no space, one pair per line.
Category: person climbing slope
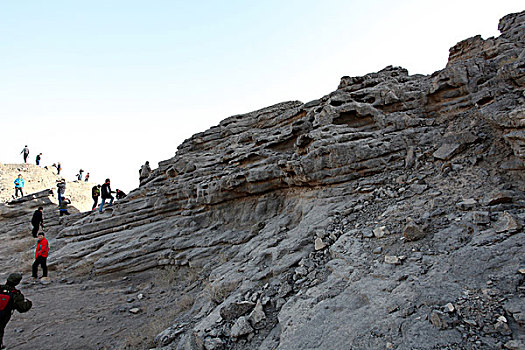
62,207
11,299
37,221
61,190
106,194
95,193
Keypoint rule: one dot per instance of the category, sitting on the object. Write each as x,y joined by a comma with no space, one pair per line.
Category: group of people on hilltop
57,166
25,153
79,175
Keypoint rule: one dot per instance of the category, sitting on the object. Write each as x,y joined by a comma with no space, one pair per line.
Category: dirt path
90,314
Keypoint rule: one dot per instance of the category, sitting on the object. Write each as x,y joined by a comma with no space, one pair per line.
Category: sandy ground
88,314
37,179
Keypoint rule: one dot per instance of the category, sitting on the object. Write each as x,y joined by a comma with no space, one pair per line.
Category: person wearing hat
12,300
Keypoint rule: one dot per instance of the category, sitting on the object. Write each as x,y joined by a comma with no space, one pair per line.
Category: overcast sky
107,85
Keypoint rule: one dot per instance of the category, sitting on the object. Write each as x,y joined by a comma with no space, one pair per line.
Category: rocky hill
386,214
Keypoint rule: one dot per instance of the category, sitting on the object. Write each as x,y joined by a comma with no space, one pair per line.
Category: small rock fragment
449,307
412,232
380,231
233,310
257,316
377,250
467,204
438,320
514,345
498,197
367,234
392,259
319,244
447,151
506,222
134,310
480,217
241,327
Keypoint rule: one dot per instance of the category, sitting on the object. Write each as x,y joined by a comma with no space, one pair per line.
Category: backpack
95,192
6,301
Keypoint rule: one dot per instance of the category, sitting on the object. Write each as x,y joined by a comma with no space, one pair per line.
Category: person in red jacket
42,251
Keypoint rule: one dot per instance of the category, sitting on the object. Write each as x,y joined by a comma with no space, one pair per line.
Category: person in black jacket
37,221
18,303
106,194
61,190
120,194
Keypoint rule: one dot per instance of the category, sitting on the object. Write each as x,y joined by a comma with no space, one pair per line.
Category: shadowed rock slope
387,214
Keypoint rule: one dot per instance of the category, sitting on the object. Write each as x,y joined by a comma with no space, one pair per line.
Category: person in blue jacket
19,185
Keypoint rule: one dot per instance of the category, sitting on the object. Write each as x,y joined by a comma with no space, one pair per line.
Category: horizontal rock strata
386,214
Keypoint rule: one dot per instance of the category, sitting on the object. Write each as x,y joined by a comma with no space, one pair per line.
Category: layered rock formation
387,214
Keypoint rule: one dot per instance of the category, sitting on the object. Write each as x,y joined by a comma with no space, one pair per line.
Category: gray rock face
280,214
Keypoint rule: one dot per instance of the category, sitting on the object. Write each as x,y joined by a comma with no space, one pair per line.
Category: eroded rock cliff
387,214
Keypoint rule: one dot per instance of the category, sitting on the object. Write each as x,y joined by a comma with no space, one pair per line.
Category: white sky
106,85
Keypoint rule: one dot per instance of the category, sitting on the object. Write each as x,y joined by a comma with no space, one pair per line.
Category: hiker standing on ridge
42,251
59,167
38,157
144,172
106,194
19,185
79,175
95,193
25,151
61,185
87,177
37,221
11,299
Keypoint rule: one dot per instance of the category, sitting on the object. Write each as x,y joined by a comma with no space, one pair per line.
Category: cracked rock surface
386,214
